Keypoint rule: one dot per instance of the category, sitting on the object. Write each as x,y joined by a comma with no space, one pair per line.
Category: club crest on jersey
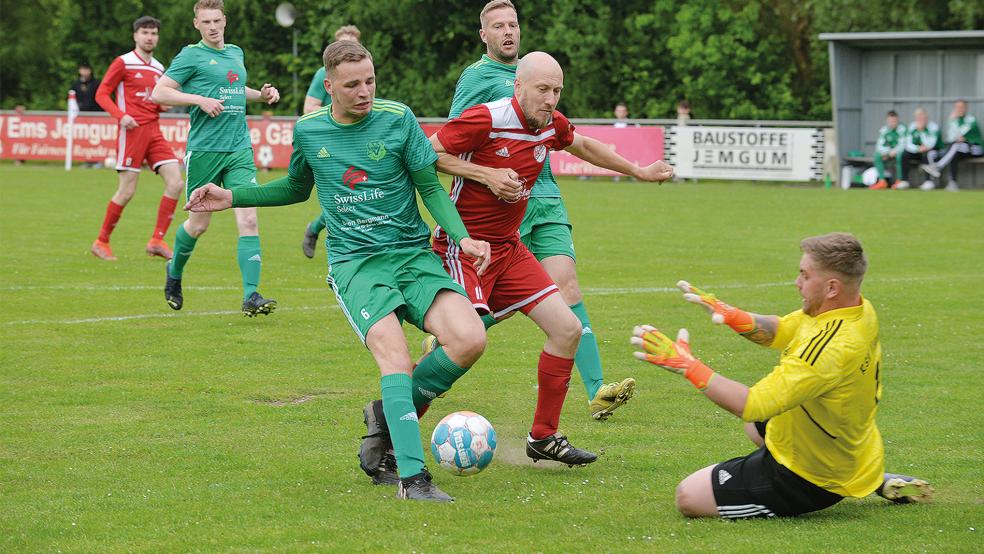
376,150
354,176
540,153
232,76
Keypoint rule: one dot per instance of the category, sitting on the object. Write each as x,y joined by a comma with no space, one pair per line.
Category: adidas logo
723,477
409,416
504,152
213,62
139,75
586,330
255,258
429,394
323,153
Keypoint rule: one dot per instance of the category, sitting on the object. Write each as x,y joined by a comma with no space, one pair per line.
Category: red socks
553,375
113,212
165,213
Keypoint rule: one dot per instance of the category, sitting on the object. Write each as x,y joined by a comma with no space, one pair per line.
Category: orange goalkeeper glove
739,320
656,348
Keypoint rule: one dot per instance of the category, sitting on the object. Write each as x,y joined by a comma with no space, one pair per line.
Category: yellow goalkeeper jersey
822,398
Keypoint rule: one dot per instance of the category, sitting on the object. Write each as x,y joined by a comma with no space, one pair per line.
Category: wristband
699,375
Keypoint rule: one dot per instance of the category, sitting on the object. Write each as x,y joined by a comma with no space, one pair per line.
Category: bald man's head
539,81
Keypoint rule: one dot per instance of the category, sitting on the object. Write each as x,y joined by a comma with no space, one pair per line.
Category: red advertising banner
42,137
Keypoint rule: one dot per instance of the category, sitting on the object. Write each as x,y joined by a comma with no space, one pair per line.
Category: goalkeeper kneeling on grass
813,417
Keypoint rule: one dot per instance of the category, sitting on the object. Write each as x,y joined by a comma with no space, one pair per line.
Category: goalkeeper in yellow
813,416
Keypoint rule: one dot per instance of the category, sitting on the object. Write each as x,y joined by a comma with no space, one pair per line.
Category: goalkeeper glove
656,348
739,320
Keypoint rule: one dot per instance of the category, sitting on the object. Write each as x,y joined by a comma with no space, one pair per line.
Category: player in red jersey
501,147
132,77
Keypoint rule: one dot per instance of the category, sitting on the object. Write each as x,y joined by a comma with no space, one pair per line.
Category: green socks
401,418
588,359
183,246
248,254
317,225
433,377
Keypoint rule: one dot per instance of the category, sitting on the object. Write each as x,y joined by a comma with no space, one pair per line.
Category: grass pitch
125,426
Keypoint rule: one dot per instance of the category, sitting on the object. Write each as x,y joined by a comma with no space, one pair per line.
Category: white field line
114,288
599,291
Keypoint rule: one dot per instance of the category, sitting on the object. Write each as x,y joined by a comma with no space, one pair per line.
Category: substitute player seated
817,407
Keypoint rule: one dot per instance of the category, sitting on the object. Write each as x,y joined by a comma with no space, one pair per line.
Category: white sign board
752,153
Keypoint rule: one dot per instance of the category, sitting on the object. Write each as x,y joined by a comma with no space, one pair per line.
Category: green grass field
125,426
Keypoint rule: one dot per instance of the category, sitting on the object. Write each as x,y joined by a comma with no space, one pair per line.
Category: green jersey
487,80
362,174
219,74
890,139
928,137
317,88
965,127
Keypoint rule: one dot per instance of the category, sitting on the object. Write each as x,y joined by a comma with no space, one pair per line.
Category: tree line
731,59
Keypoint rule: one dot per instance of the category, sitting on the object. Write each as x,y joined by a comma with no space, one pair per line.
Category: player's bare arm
758,328
210,198
311,103
168,92
598,153
267,93
503,182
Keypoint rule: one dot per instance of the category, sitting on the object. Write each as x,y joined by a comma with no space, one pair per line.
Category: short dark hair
146,22
838,252
892,113
344,51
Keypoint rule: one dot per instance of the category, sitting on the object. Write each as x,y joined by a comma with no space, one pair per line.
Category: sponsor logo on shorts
376,150
540,153
723,476
354,176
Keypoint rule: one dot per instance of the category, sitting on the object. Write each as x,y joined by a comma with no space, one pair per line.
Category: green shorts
404,281
226,169
545,229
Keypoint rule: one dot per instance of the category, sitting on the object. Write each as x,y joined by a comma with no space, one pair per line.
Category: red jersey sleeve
112,78
467,132
565,131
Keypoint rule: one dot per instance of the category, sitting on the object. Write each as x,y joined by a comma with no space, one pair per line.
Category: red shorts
514,280
143,143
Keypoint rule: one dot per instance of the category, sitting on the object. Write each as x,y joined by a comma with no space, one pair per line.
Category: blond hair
837,252
209,5
348,30
494,5
344,51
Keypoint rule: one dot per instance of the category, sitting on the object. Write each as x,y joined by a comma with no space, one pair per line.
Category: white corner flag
73,112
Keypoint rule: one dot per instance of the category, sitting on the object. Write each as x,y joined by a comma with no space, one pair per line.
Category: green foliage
729,58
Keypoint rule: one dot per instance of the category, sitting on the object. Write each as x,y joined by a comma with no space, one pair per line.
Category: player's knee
196,228
569,333
247,224
570,290
686,502
466,345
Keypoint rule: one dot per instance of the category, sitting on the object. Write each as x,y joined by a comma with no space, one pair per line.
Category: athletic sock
184,244
113,213
165,213
248,253
588,359
553,376
433,377
488,321
317,225
401,419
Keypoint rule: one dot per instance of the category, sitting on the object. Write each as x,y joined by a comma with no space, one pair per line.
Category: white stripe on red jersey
132,79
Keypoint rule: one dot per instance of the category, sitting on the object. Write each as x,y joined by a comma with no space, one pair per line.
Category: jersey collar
850,312
489,59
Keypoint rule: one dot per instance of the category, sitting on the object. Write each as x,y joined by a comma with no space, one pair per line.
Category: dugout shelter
872,73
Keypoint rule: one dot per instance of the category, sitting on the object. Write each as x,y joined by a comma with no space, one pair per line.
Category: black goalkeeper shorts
758,486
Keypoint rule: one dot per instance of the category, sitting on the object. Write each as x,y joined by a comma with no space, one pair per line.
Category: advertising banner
751,153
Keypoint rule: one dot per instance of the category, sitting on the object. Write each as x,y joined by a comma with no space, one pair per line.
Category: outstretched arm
760,329
596,152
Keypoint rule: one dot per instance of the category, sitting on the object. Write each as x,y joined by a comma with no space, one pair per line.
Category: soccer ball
463,443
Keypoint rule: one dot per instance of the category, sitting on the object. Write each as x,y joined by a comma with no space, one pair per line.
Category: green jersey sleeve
317,87
182,67
469,91
295,187
418,152
438,203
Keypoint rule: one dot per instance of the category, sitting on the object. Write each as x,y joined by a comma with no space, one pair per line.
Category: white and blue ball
463,443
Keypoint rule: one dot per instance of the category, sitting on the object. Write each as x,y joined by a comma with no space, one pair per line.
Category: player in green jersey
367,156
317,96
963,140
210,76
546,230
889,147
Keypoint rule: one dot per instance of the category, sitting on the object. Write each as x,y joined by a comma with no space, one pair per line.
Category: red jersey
133,79
495,134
